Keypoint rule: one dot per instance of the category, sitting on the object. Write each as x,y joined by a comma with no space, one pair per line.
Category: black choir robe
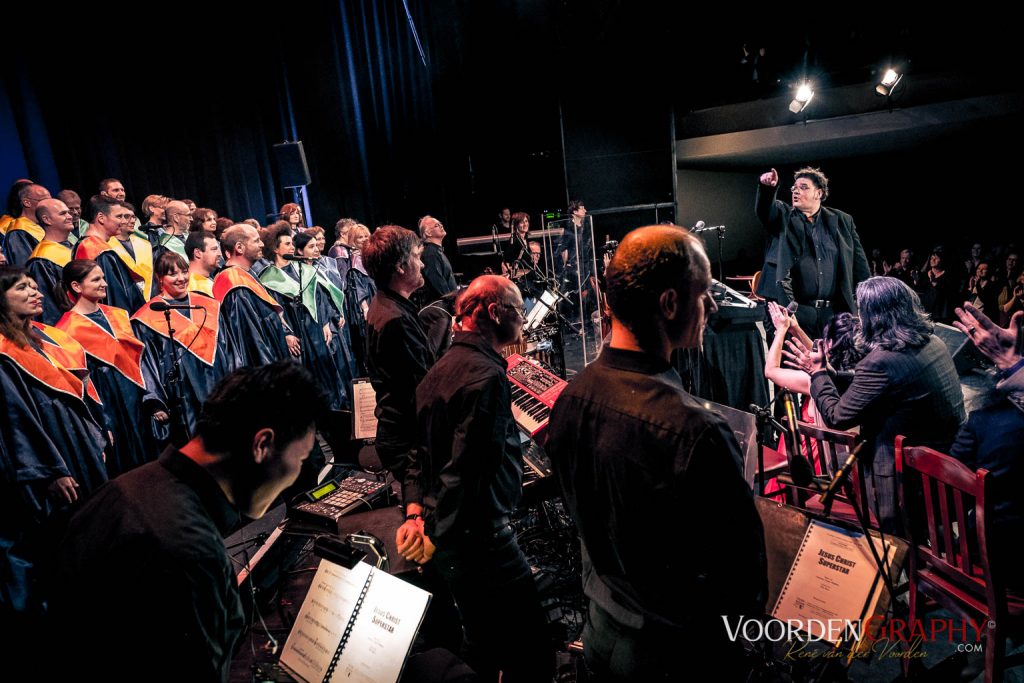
46,266
307,313
250,317
332,287
202,347
46,432
123,286
22,237
114,357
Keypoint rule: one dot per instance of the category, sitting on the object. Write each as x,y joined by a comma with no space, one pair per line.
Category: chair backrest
823,451
937,493
755,282
826,449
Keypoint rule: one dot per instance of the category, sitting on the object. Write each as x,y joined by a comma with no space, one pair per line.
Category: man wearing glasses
813,256
171,237
464,480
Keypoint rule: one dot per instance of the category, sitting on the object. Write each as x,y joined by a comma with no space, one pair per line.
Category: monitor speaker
291,164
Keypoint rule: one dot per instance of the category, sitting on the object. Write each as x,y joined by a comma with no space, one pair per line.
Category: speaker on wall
291,164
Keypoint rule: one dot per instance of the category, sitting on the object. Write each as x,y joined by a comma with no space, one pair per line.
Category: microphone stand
764,419
172,380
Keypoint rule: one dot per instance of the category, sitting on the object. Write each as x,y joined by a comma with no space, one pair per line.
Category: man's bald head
29,198
649,262
54,217
491,305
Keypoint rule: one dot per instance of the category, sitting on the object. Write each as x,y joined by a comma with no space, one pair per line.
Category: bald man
671,538
25,233
171,237
46,263
465,479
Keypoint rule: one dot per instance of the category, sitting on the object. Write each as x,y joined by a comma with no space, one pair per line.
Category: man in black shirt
398,354
813,256
671,539
437,270
147,591
467,472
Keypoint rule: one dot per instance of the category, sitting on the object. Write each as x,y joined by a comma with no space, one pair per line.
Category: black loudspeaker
291,164
965,355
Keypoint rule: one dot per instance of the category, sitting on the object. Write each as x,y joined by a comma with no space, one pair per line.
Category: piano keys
534,391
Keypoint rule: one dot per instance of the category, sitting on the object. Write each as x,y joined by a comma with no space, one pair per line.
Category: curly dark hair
815,176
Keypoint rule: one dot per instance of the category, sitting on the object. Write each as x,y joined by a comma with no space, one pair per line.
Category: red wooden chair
825,450
950,553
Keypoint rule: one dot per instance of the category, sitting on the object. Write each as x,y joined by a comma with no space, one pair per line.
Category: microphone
837,481
799,466
293,257
161,306
699,226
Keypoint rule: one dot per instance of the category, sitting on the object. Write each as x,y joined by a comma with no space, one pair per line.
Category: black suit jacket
914,392
993,438
787,241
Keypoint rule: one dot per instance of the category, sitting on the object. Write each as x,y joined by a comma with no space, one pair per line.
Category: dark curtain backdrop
192,110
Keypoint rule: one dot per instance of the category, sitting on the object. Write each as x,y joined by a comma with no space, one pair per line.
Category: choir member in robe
293,285
51,448
126,287
200,348
251,317
46,264
333,297
114,356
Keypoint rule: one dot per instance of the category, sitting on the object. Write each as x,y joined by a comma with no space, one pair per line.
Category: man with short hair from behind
644,467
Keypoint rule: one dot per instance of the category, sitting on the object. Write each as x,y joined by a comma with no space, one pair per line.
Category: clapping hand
780,318
995,343
810,360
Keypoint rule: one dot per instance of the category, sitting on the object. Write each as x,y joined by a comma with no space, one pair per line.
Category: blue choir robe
306,313
114,357
124,287
46,432
22,237
359,288
251,318
332,288
46,267
202,347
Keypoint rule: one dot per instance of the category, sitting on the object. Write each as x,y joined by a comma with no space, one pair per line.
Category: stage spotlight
888,83
803,96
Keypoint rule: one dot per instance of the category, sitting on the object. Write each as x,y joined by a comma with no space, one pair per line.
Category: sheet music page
322,619
831,578
383,633
364,405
